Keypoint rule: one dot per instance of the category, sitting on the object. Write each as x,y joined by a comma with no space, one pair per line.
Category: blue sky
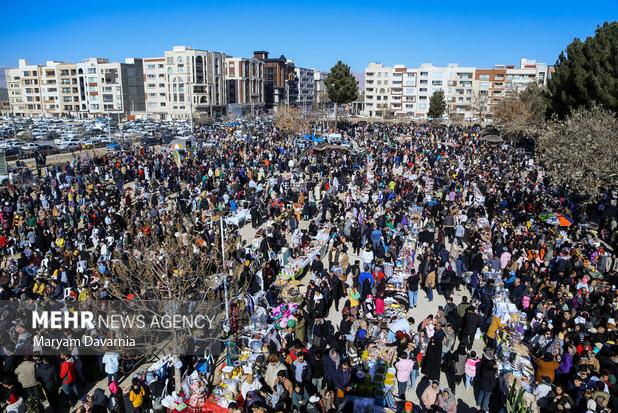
312,33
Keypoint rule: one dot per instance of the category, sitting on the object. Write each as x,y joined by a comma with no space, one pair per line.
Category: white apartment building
195,82
93,87
155,87
454,81
399,91
390,91
320,94
24,88
518,79
111,88
305,87
245,85
36,90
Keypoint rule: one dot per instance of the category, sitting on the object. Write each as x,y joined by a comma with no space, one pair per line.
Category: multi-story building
304,90
399,91
319,87
489,90
60,89
245,85
195,82
390,91
24,89
4,92
454,81
277,73
529,71
111,88
93,87
52,89
5,107
155,87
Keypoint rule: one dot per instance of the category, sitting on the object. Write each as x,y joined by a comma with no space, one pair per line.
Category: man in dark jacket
487,378
317,370
471,321
47,374
412,287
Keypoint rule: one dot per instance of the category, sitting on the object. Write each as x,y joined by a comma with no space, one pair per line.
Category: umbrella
492,139
556,218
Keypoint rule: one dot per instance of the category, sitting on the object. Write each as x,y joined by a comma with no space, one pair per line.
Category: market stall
513,355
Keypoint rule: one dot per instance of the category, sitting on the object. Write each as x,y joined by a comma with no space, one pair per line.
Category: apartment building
111,88
155,87
320,94
93,87
399,91
50,89
245,85
489,90
4,92
277,73
529,71
454,81
195,82
304,89
390,91
24,89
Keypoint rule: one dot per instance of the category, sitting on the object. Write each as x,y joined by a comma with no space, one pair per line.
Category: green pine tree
587,72
341,86
437,105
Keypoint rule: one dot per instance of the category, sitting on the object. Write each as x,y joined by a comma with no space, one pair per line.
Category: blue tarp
315,139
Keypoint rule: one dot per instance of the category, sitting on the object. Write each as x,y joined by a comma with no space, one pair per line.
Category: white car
29,146
69,144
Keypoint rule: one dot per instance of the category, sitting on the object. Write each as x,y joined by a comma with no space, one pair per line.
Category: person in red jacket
68,376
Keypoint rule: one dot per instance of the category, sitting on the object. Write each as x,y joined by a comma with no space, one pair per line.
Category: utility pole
225,275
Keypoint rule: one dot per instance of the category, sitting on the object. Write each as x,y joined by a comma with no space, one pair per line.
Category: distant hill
360,76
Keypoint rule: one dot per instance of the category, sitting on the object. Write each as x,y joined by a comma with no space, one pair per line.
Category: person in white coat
366,257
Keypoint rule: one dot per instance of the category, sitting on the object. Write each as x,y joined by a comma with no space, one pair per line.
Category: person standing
430,284
404,367
26,376
47,374
487,379
412,287
69,378
471,322
433,359
137,395
111,361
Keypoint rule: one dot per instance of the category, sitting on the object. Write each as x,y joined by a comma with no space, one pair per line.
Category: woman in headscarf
447,401
432,360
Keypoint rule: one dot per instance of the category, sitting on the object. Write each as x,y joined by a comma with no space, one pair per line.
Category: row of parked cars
21,137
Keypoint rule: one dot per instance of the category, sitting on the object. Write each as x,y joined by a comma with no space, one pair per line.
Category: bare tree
522,114
290,121
480,106
581,152
173,271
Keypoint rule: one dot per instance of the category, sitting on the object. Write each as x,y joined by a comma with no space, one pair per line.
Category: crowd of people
459,217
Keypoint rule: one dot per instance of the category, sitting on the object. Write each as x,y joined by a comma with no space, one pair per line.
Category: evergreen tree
587,72
341,86
437,105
